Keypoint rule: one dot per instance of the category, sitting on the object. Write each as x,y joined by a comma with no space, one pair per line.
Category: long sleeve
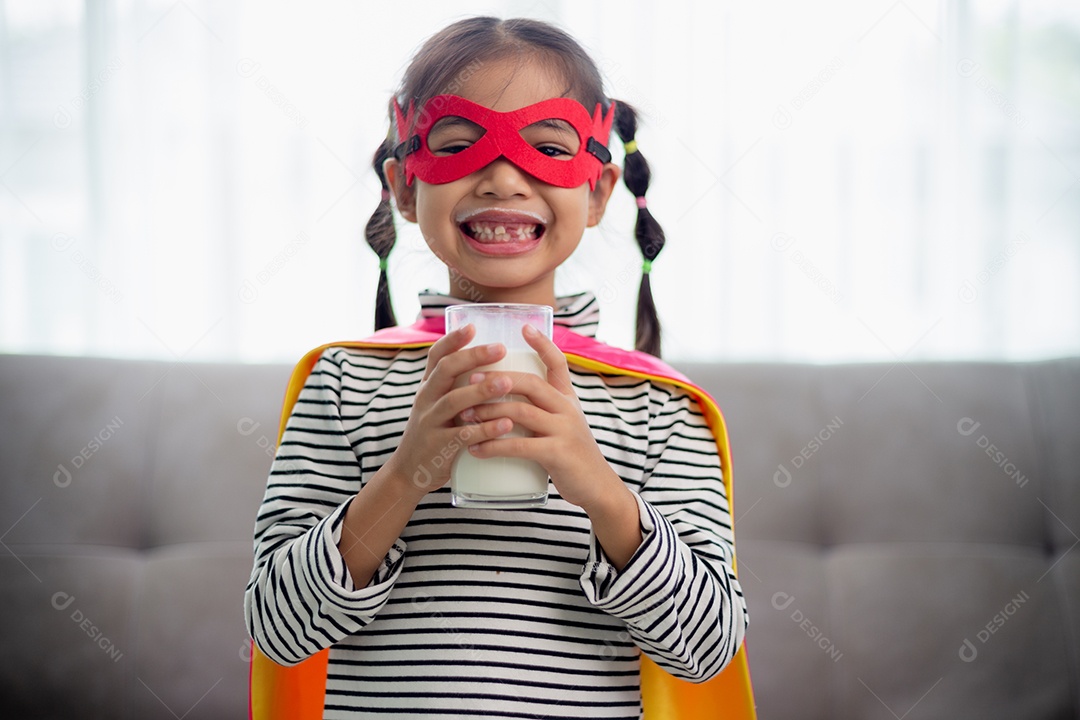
678,593
301,598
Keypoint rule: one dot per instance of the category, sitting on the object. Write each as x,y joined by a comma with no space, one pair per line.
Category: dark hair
446,60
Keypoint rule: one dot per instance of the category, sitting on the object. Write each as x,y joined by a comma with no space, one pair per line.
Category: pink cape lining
430,329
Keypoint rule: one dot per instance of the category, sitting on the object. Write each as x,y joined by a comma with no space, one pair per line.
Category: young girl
392,601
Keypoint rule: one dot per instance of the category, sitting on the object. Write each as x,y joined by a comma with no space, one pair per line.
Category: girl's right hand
431,440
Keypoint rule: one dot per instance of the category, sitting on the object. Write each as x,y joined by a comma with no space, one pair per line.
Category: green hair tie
382,264
646,267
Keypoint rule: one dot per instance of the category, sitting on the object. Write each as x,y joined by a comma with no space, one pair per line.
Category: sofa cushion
128,497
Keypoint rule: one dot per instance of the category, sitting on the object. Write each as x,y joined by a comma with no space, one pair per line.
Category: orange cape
298,692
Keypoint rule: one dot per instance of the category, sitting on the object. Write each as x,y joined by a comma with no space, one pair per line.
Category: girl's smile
499,228
496,231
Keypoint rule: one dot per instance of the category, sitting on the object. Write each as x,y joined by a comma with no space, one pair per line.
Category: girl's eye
452,134
553,137
452,149
553,151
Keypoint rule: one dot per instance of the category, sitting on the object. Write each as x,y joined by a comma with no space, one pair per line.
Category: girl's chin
500,249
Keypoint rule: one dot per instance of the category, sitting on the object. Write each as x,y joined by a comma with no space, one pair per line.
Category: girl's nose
502,178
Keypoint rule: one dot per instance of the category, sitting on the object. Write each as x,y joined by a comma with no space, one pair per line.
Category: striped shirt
494,613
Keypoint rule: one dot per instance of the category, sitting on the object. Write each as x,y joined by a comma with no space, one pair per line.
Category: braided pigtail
649,234
381,236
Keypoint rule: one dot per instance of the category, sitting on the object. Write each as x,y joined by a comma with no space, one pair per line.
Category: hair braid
647,231
381,236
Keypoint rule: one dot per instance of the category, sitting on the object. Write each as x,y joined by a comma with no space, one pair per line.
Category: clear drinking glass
501,482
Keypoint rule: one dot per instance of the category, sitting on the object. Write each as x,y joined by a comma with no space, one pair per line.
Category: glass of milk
501,482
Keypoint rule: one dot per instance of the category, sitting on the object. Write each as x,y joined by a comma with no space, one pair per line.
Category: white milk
502,481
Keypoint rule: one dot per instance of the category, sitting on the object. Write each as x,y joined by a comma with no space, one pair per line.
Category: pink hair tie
385,194
640,201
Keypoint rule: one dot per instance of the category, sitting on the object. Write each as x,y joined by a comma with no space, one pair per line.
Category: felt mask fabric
504,135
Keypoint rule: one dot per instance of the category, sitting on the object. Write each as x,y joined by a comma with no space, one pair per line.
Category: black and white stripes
493,613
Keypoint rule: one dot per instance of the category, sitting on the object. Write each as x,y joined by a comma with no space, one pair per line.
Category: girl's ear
404,196
598,198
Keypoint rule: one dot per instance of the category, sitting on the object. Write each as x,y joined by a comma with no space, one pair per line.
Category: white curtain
837,180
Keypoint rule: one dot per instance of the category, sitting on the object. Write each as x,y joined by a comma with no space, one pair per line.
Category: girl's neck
536,294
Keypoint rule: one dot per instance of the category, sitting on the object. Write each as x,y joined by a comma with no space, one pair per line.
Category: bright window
837,180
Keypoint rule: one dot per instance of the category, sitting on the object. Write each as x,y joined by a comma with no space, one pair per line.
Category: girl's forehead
510,84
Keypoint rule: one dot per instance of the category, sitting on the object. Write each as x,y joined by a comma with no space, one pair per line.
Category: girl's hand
431,440
563,441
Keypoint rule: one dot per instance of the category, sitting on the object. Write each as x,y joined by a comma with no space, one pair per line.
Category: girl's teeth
487,232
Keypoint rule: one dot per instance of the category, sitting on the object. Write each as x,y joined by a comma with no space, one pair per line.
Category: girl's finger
446,369
553,358
527,448
449,343
524,414
455,401
486,431
534,388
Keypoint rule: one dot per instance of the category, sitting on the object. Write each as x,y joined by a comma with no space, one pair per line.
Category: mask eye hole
553,137
452,134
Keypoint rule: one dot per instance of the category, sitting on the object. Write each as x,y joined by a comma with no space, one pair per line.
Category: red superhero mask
502,136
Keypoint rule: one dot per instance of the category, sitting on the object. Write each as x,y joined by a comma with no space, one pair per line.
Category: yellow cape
298,692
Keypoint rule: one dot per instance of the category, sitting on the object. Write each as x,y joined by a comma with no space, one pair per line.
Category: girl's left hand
563,441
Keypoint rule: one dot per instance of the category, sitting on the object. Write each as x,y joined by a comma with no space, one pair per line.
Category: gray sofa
907,536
